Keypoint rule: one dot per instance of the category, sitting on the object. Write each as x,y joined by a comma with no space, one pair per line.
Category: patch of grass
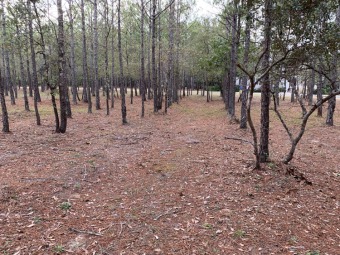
313,253
239,233
37,220
65,206
271,165
207,225
293,239
77,185
164,168
59,249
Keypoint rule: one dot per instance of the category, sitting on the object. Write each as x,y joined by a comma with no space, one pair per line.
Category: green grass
65,206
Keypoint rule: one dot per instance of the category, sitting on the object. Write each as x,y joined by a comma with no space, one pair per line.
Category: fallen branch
121,228
167,213
239,139
85,232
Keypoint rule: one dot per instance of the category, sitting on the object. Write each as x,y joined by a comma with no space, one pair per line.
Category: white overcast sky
205,8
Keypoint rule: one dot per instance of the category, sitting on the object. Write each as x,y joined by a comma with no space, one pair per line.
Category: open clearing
165,184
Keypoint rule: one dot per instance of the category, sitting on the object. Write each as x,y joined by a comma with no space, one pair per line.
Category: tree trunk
14,75
95,53
149,55
311,89
170,79
113,60
319,94
5,122
29,80
6,55
34,66
142,64
62,74
107,34
233,62
332,101
159,75
45,79
244,95
22,70
86,84
153,56
121,80
72,57
265,92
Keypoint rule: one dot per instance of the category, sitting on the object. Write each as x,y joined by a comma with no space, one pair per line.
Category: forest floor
166,184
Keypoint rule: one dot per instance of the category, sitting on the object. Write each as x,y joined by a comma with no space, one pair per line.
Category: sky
205,8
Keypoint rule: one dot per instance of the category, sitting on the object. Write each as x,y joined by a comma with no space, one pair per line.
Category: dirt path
168,184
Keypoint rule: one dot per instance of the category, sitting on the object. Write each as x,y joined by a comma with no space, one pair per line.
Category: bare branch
85,232
239,139
281,119
245,71
272,65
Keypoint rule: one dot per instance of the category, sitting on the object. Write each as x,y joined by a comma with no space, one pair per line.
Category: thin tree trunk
45,79
107,34
86,84
265,93
29,80
72,57
233,62
142,60
319,94
6,55
5,122
311,89
159,76
153,57
170,78
122,87
244,95
149,55
113,60
34,66
95,53
14,76
62,74
22,70
332,101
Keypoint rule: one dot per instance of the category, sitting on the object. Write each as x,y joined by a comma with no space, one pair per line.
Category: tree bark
22,70
61,65
319,94
244,95
311,89
6,55
86,84
113,60
265,92
5,122
332,101
72,55
121,80
233,61
170,78
45,80
95,52
153,56
34,66
142,60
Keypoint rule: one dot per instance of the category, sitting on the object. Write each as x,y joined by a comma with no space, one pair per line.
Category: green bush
215,87
325,90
